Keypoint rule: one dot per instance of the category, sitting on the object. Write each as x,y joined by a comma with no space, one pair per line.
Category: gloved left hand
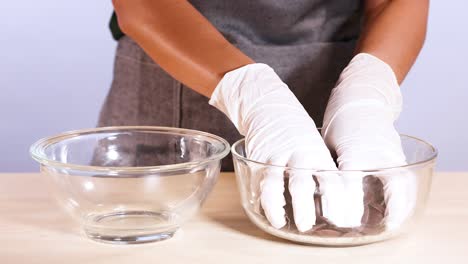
278,131
358,127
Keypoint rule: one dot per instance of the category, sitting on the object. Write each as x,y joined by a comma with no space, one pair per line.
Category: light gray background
56,67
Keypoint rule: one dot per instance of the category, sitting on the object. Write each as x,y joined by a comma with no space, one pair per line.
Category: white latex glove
358,126
277,131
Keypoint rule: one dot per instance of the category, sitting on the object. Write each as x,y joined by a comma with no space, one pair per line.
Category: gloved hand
358,126
277,131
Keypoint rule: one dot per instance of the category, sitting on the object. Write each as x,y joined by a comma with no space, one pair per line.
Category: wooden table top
33,229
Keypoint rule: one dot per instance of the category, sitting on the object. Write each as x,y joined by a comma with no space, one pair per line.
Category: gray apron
307,42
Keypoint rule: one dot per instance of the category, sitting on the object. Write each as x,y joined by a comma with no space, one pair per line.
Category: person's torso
307,43
284,22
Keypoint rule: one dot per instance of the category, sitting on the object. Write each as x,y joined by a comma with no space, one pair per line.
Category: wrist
366,83
234,88
244,89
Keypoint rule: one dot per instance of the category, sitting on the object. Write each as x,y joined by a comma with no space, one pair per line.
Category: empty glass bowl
374,226
131,184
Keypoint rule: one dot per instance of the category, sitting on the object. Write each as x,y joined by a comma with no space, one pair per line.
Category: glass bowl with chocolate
385,214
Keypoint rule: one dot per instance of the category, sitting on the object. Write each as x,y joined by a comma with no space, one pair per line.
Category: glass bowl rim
430,159
37,149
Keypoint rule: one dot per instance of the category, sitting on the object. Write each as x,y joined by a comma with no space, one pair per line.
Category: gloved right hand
278,131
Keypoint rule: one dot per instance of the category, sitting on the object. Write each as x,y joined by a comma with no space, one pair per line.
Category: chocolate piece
372,221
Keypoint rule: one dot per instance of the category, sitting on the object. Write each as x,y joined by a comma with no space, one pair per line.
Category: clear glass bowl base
125,227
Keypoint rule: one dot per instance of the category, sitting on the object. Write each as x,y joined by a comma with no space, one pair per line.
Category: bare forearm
180,40
394,31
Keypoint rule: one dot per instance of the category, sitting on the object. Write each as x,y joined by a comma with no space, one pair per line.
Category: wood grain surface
33,229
